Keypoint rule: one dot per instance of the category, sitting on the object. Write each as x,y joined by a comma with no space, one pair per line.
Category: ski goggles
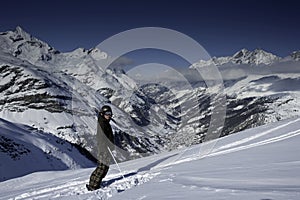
108,113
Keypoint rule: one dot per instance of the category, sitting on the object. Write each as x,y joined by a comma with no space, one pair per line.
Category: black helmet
106,109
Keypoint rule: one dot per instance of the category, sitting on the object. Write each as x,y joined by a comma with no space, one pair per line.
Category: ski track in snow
248,139
51,191
268,141
194,153
72,189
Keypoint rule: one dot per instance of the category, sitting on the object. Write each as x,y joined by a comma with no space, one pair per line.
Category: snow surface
21,146
262,163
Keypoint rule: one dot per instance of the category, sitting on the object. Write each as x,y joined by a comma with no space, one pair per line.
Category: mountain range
56,96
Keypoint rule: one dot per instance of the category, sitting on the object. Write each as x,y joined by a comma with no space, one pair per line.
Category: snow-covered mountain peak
241,53
17,37
244,56
76,53
22,45
19,32
296,55
97,54
256,57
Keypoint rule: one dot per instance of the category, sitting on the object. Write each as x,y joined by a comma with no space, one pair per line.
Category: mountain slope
258,163
25,150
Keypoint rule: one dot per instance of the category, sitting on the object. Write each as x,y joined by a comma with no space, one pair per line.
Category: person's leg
96,177
105,170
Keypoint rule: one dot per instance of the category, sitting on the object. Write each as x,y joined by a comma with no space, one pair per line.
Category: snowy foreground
260,164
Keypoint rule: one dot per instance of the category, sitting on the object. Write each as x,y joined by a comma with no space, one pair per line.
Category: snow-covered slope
259,163
25,150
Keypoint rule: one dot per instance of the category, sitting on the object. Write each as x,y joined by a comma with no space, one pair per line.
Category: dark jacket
105,139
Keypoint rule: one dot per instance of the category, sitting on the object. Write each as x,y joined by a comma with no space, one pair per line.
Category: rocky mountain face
61,93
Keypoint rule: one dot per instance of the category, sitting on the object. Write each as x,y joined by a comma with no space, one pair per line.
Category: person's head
106,112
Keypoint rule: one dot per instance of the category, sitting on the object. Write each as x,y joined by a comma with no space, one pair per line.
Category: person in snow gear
105,139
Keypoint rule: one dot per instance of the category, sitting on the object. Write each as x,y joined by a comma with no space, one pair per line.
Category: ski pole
116,162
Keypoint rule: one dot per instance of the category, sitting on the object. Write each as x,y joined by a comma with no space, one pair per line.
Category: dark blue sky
221,27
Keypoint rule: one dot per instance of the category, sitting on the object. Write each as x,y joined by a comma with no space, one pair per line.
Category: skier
105,139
